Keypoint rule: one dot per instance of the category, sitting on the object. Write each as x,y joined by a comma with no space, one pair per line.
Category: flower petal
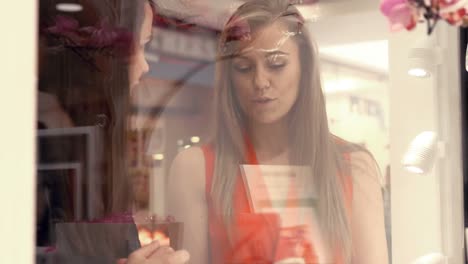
386,6
402,16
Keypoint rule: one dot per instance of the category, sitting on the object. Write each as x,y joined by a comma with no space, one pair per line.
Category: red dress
254,238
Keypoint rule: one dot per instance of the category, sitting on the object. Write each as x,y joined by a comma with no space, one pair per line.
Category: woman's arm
187,202
50,112
367,222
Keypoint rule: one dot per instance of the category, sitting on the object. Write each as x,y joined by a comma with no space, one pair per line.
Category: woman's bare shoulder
356,157
363,159
189,167
192,157
187,201
365,173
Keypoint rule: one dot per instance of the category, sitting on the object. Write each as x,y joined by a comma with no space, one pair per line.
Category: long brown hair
311,142
95,92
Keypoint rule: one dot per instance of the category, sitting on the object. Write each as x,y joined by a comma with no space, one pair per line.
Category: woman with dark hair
87,68
270,110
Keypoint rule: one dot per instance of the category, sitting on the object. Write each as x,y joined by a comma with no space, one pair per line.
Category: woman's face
267,74
138,63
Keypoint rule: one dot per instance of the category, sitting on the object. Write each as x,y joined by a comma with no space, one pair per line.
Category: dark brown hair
95,92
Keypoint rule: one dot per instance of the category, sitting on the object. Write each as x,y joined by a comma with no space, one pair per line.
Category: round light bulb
158,156
414,169
419,72
69,7
195,139
421,153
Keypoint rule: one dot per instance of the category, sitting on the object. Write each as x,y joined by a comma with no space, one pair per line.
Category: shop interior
371,98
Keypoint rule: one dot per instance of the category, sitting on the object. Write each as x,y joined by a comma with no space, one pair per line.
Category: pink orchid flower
453,11
67,27
116,41
447,3
401,14
64,24
105,36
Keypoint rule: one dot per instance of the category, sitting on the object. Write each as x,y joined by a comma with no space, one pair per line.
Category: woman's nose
261,79
145,66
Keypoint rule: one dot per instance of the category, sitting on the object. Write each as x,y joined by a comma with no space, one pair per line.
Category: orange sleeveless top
253,238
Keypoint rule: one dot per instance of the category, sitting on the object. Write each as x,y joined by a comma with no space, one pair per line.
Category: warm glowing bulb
145,237
418,72
195,139
158,156
69,7
161,238
414,169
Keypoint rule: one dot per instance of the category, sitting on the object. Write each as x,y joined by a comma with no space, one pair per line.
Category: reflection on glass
159,124
269,110
91,175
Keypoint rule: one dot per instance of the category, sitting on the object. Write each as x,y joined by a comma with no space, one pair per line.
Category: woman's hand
154,253
51,113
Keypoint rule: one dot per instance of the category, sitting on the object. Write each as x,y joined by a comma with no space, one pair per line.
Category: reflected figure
270,110
89,61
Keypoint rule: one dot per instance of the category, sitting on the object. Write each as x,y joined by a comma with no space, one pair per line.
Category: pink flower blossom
67,27
453,11
387,6
63,24
401,14
405,13
103,37
454,18
443,3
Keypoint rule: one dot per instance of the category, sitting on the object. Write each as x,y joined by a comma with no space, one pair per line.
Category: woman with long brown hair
86,81
270,110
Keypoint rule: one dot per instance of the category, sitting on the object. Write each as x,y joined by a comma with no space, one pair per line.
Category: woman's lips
263,100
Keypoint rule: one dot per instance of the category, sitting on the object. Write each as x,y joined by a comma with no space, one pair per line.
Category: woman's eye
276,63
242,67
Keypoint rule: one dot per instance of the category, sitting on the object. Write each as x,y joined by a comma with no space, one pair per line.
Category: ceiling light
158,156
419,72
424,57
414,169
419,158
69,7
195,139
432,258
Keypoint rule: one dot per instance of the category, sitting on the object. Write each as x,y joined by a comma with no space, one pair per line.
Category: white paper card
280,189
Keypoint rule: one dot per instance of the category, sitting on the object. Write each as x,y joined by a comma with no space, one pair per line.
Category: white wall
450,163
419,221
415,203
17,109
